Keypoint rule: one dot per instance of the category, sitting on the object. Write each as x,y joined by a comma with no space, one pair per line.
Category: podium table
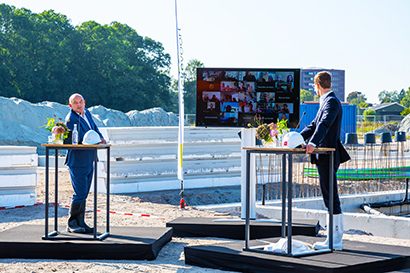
53,235
287,153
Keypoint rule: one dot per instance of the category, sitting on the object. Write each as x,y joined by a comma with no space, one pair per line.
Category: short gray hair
73,96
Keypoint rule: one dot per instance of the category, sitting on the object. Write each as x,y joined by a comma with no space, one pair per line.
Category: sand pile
20,120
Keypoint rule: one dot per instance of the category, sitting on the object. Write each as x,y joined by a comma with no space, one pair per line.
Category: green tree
353,95
189,85
363,104
306,95
35,54
391,96
44,57
405,112
368,113
126,70
406,99
401,95
356,98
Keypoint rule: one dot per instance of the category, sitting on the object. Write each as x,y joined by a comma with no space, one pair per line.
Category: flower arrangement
270,132
59,129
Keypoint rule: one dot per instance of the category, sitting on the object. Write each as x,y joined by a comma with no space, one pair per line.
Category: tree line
44,57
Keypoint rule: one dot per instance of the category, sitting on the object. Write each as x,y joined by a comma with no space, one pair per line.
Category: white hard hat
91,138
292,140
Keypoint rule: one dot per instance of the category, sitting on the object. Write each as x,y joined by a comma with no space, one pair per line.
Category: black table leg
56,191
284,196
248,189
108,192
290,193
95,194
47,181
331,200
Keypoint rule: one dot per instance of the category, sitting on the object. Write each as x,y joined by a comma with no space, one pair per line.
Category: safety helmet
292,140
91,138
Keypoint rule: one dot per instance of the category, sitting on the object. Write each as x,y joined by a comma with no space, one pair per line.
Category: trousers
81,179
323,170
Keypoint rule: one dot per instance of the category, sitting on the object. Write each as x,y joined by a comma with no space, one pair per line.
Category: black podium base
235,229
123,243
355,257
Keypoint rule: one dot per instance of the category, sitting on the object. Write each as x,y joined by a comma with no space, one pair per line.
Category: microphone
297,127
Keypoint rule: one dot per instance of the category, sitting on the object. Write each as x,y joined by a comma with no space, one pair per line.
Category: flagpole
181,113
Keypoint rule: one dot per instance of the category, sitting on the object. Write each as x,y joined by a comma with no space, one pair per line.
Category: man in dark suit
324,131
80,163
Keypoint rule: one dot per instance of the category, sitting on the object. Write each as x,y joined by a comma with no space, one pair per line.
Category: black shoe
72,225
80,220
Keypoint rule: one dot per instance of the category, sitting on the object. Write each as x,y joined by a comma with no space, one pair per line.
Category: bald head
73,96
77,103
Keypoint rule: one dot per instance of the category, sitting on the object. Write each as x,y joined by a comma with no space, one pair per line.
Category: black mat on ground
355,257
123,243
214,227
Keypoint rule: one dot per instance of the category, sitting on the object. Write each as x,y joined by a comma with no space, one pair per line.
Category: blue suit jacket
324,131
80,158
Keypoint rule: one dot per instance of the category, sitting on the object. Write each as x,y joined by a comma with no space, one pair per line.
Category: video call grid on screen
233,96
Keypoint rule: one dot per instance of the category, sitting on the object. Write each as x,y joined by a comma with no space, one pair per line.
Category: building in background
388,109
338,80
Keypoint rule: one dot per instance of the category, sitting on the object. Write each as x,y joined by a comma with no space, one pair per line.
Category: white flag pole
181,111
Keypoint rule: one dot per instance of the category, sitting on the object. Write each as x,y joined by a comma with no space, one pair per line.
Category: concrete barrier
18,175
144,159
354,217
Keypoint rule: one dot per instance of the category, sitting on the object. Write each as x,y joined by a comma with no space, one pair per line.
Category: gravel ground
170,258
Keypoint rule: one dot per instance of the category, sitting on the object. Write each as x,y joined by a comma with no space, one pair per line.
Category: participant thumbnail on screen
266,102
282,107
211,96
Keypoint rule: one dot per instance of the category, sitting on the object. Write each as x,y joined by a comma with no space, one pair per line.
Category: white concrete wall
354,217
145,158
384,226
18,175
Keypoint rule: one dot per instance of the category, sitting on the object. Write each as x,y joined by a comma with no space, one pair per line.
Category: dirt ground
157,204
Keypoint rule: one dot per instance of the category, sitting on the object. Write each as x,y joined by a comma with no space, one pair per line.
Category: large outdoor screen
233,96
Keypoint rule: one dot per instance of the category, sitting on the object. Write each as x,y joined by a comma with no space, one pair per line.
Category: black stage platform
123,243
231,229
355,257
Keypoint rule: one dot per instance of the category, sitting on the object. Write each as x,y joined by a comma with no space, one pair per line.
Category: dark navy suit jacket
80,158
324,131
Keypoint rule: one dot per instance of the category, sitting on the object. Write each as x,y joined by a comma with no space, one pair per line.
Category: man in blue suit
324,131
80,163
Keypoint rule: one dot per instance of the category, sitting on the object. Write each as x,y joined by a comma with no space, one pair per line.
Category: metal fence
377,123
372,168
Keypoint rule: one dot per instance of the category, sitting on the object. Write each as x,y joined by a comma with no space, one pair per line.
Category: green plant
367,113
283,126
405,112
269,132
57,128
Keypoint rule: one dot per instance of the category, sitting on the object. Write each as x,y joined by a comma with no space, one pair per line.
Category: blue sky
367,38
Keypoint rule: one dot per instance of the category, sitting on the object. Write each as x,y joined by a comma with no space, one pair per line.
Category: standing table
56,147
287,152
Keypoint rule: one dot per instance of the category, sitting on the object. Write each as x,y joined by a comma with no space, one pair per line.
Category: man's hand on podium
309,148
